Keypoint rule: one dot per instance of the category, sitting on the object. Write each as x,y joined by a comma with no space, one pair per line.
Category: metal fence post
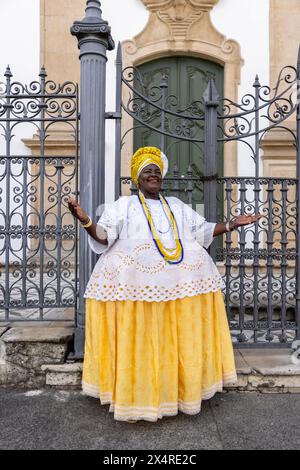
298,205
94,39
211,102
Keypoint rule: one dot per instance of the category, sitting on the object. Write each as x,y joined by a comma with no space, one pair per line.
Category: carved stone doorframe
183,27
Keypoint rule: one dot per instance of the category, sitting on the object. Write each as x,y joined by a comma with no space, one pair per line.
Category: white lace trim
152,293
149,413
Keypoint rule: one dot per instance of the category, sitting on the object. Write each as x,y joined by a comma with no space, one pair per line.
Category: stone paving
53,419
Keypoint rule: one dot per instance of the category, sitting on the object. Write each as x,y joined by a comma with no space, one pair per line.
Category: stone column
94,39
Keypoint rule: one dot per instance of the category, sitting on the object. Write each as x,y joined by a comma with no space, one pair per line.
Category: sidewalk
68,420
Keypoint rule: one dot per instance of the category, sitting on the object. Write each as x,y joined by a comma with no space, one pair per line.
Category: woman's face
150,179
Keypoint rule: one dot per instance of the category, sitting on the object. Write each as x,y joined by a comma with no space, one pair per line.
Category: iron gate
259,263
38,253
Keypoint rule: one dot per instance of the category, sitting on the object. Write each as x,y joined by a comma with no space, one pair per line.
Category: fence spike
298,62
164,81
256,82
119,58
211,93
43,72
8,72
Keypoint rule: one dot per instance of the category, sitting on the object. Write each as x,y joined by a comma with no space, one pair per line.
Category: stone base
266,371
24,350
36,357
63,375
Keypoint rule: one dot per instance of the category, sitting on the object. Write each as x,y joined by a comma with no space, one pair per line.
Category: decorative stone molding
183,27
179,5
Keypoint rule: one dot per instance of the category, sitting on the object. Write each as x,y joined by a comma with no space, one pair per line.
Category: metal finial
43,72
119,54
93,10
211,94
164,81
256,82
8,72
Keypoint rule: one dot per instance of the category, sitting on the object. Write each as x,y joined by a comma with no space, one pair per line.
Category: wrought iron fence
260,263
38,238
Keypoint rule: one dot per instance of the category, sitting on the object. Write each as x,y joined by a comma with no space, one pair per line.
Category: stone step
36,357
266,371
24,350
63,375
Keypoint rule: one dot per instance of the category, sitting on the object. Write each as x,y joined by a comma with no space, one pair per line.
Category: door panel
187,79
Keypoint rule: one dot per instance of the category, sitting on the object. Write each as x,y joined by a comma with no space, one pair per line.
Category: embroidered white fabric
130,266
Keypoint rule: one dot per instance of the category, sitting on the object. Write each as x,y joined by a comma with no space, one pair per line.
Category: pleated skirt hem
152,414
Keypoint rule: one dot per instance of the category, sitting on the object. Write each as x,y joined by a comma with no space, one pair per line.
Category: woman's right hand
77,211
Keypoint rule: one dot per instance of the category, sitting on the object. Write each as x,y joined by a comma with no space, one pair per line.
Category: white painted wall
19,48
20,38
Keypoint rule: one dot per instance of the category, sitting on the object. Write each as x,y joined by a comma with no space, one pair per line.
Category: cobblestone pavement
68,420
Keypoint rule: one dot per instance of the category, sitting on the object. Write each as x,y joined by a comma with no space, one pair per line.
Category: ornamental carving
179,15
179,5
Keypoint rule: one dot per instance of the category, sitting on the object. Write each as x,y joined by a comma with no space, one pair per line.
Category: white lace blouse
130,266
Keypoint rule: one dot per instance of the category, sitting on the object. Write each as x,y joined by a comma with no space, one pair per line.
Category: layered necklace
170,255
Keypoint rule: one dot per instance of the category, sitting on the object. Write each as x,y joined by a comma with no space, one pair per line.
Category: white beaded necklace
166,217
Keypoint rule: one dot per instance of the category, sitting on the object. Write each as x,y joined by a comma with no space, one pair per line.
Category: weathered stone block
33,355
38,335
63,379
12,374
3,329
23,350
274,383
63,375
242,383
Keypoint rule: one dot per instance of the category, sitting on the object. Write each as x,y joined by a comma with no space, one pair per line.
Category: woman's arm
235,223
94,230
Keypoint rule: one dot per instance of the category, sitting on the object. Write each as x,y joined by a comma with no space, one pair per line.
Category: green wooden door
187,79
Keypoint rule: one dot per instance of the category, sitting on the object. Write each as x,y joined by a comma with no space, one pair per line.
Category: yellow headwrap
145,156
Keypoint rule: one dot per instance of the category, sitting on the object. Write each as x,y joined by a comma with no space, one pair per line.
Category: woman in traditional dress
157,338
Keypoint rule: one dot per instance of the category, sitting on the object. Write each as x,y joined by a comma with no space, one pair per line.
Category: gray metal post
118,132
211,101
94,39
298,204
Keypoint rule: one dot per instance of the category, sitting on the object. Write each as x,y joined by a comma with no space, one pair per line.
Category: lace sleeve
202,230
109,224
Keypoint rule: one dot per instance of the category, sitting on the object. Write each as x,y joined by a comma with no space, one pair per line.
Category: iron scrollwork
38,238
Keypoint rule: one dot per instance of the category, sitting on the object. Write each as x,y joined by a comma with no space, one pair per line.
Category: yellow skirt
151,359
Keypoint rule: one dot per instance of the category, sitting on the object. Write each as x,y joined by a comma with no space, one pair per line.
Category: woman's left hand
246,220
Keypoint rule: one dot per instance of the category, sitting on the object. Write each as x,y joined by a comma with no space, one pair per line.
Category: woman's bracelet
87,224
227,225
